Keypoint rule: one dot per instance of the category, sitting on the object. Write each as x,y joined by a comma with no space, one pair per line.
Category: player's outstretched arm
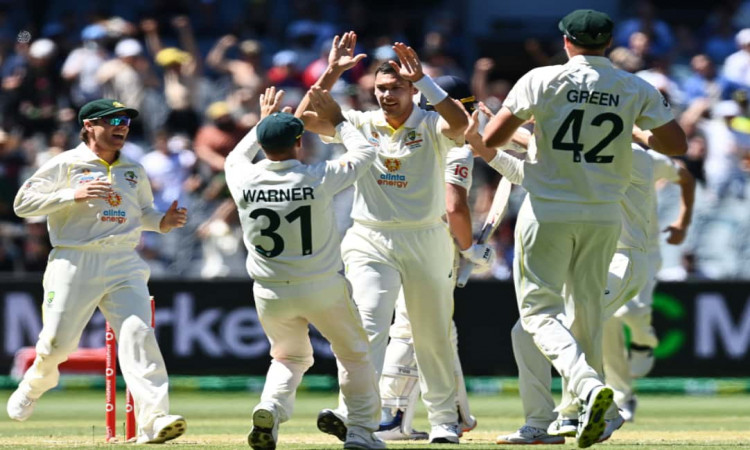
507,165
668,139
678,229
501,128
340,59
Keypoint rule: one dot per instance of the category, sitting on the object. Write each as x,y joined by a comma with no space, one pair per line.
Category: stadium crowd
195,72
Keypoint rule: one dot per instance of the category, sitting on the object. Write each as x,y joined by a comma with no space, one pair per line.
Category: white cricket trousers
554,259
379,263
637,313
78,281
285,312
627,274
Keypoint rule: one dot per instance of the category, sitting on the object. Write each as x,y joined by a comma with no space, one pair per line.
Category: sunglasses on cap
115,121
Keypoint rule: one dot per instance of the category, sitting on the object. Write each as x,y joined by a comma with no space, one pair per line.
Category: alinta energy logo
114,215
391,178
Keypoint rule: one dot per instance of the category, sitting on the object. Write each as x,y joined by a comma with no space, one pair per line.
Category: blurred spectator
82,64
646,22
217,138
246,72
720,42
657,74
737,65
182,75
704,82
625,59
126,78
39,91
169,167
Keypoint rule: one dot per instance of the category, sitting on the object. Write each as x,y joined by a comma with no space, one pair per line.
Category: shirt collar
88,155
413,121
590,60
277,166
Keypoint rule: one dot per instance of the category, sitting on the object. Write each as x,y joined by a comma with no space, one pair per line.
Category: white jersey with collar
115,222
584,111
406,184
286,211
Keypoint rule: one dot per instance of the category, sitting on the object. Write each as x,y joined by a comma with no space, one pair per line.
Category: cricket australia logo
413,139
131,178
392,164
118,105
114,199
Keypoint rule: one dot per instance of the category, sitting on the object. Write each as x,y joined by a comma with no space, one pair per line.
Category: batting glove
482,255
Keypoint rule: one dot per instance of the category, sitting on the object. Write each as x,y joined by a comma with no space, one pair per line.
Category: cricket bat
494,217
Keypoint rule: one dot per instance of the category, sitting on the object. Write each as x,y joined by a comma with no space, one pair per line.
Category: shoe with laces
20,407
528,435
445,433
359,438
563,427
591,420
331,423
265,431
392,430
165,429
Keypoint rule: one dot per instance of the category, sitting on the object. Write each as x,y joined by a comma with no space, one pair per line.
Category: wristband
433,93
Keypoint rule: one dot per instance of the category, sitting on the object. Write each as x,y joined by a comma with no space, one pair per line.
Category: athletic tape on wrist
433,93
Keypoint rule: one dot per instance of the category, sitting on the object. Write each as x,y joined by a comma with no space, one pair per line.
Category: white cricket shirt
116,222
285,208
584,111
405,186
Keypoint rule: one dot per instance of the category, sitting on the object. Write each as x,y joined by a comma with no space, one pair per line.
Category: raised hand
411,66
326,108
92,189
270,101
341,57
175,217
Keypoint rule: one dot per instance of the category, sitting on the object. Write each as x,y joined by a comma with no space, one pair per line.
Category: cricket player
398,239
399,388
636,313
567,228
294,257
97,202
628,274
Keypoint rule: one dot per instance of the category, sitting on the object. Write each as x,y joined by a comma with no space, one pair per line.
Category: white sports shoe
528,435
20,407
563,427
359,438
265,431
610,426
627,411
591,420
165,429
445,433
641,360
331,423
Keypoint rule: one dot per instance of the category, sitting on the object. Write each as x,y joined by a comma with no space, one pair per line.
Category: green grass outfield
221,420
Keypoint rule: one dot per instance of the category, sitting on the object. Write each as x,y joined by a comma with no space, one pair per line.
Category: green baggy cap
280,130
102,108
587,28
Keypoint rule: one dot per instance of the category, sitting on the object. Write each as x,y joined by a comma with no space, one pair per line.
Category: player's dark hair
386,68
